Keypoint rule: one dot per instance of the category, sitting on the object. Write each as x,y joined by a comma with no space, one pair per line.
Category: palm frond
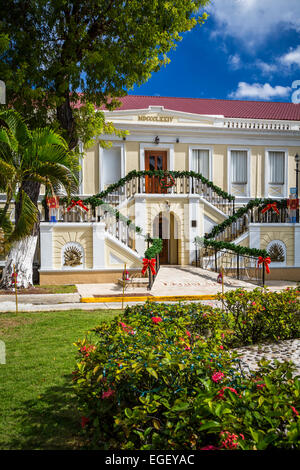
47,136
17,126
57,171
7,174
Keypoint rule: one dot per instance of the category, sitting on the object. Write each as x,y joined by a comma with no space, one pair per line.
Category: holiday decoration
220,278
125,276
266,261
166,181
77,203
293,206
149,263
53,202
269,207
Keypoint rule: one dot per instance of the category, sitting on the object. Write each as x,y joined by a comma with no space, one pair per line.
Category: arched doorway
165,227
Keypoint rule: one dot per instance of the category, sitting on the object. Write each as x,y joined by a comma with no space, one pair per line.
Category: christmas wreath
166,181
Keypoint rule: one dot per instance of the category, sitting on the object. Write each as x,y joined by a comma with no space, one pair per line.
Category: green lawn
37,406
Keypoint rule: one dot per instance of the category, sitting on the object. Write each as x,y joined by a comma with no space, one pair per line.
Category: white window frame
170,154
267,171
210,159
123,162
229,179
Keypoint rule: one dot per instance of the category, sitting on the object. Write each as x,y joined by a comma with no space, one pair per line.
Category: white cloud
259,91
253,20
235,62
265,68
292,57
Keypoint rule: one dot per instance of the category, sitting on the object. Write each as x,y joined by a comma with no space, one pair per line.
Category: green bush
260,315
155,379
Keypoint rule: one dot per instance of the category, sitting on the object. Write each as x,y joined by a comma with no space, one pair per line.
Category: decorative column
46,248
194,217
99,245
140,220
254,236
297,245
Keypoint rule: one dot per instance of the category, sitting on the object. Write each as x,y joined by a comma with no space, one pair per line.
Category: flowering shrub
260,315
157,378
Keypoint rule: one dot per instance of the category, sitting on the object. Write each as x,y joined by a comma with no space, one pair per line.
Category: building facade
246,149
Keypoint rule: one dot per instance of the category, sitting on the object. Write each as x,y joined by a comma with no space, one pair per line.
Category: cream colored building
247,149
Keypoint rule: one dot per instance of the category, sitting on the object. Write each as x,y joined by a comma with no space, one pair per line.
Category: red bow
271,206
77,203
149,263
266,262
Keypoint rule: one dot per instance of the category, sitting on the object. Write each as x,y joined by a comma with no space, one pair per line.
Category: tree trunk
66,119
22,252
21,255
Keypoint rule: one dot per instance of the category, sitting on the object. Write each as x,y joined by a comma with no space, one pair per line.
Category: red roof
226,108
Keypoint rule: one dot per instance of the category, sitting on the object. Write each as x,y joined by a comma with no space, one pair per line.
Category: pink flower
295,411
84,421
108,394
217,377
127,328
253,303
221,347
209,448
156,319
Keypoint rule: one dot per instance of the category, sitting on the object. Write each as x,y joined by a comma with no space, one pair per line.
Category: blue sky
247,49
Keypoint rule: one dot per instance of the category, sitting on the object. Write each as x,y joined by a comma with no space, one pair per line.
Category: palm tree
29,159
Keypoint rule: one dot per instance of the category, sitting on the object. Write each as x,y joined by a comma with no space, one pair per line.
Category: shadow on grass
50,422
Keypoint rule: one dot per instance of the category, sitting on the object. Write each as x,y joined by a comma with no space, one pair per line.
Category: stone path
189,280
288,350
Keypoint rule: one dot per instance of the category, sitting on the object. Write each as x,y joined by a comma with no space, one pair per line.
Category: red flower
221,347
108,394
188,333
221,392
230,441
261,386
295,411
156,319
84,421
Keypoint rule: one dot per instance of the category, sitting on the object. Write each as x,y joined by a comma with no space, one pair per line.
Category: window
239,166
276,167
111,165
200,162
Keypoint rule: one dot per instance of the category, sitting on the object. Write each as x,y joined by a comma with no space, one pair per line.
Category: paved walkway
288,350
170,281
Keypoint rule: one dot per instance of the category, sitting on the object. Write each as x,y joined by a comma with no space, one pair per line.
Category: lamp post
297,160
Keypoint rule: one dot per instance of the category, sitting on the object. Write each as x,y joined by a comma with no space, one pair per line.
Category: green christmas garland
241,250
242,211
96,200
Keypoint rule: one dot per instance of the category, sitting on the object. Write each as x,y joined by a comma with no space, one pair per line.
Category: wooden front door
155,160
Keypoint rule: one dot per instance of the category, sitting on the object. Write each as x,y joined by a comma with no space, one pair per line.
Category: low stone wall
54,278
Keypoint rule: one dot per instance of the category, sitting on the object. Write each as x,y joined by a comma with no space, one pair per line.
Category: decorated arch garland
167,180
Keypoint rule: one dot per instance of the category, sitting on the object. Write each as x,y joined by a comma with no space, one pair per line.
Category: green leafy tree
100,47
29,159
